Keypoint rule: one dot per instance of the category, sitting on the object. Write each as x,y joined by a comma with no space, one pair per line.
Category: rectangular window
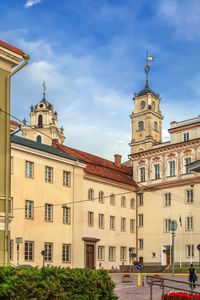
167,199
142,174
66,252
66,215
189,196
90,219
48,247
172,168
66,178
28,250
101,252
187,162
123,224
132,203
111,253
141,202
48,174
48,212
141,220
122,253
28,209
132,225
141,243
28,169
101,220
112,223
157,171
123,201
186,136
101,197
167,223
112,199
190,250
189,223
11,249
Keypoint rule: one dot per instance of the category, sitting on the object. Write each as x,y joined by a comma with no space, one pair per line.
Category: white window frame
29,251
66,215
167,223
123,201
29,209
101,197
101,221
172,171
189,223
186,136
112,222
189,196
123,253
142,175
112,199
101,253
48,212
48,247
141,244
141,200
66,253
66,178
111,253
29,169
132,225
140,220
132,203
167,199
90,194
190,250
90,218
48,174
123,224
185,169
156,171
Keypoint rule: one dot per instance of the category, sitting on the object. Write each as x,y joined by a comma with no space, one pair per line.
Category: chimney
54,143
117,160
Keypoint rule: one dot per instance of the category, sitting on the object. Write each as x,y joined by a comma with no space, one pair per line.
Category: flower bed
126,278
180,296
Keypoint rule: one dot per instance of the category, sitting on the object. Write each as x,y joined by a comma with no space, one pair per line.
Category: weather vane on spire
147,66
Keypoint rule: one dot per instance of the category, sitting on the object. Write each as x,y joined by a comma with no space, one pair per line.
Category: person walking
192,275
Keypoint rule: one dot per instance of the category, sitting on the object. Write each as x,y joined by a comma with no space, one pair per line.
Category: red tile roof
14,123
11,48
101,167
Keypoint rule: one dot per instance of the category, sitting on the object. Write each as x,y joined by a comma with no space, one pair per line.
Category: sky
91,55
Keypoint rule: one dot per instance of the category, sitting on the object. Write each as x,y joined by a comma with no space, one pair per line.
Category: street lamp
173,227
140,192
43,253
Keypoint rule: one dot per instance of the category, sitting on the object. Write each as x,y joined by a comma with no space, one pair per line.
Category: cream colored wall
37,190
109,237
153,233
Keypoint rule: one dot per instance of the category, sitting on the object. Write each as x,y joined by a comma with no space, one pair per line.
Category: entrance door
89,256
168,258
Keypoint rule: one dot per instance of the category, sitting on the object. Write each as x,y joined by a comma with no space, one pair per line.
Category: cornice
9,59
165,149
181,128
133,115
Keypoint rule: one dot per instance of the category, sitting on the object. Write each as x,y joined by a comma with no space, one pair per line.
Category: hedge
55,283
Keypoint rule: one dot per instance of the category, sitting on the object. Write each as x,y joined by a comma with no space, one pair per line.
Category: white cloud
30,3
183,15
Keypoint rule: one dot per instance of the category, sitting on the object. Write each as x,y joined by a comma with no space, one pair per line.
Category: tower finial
44,91
147,67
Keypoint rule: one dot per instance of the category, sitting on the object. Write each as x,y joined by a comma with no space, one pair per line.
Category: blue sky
91,54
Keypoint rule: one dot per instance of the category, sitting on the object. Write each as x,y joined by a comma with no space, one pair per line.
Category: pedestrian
192,275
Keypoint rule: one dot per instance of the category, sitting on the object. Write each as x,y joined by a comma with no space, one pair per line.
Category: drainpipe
8,151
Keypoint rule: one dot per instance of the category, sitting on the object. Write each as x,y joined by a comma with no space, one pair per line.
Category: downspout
8,151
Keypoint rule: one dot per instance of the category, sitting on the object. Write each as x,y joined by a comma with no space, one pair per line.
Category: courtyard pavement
130,291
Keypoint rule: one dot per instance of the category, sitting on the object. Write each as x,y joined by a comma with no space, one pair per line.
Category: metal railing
174,285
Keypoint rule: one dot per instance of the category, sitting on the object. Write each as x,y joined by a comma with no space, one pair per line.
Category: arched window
153,105
90,194
40,121
155,126
123,201
141,125
39,139
112,199
101,197
142,104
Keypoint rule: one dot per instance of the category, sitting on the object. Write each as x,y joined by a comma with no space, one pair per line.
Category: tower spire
147,67
44,91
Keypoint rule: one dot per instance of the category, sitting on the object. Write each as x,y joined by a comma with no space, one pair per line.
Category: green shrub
55,283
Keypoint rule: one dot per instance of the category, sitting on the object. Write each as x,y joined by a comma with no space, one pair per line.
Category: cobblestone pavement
130,291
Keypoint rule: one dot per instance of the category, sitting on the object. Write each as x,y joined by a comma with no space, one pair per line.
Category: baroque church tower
146,118
43,123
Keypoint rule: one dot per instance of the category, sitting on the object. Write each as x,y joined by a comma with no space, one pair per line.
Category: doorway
168,259
89,256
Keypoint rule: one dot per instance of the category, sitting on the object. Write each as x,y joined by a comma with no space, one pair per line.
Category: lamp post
43,253
140,192
173,227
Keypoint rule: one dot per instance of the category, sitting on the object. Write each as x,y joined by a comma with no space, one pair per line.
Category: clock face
142,104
